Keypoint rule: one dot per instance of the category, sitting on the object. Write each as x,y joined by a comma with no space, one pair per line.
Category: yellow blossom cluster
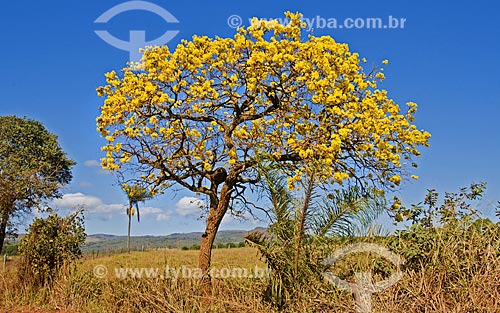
221,102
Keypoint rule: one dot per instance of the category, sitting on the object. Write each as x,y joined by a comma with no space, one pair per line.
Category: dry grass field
85,290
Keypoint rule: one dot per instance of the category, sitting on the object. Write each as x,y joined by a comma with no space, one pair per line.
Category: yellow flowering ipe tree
203,116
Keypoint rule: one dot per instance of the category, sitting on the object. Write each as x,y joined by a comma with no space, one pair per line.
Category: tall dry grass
465,277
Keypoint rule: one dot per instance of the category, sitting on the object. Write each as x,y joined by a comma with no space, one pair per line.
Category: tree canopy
33,167
205,114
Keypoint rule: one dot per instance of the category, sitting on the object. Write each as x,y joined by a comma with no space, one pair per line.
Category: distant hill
106,243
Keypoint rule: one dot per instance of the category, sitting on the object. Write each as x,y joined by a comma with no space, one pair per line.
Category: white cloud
86,184
71,200
91,163
148,210
95,205
104,217
108,208
189,206
246,218
163,217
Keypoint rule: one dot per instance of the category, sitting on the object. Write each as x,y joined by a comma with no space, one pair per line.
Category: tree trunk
3,228
128,233
301,227
218,208
129,214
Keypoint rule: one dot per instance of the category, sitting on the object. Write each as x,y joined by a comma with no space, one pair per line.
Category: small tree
50,244
204,116
33,167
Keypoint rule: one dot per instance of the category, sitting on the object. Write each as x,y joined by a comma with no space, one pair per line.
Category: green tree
135,195
50,244
203,117
33,167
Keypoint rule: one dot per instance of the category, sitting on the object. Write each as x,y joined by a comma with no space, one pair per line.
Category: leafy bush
10,249
194,247
50,244
451,239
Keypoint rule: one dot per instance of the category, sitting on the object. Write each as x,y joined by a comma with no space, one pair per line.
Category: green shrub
50,244
450,238
10,249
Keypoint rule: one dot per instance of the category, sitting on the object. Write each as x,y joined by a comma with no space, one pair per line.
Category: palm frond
350,212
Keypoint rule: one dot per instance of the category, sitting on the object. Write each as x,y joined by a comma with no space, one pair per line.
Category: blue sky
445,59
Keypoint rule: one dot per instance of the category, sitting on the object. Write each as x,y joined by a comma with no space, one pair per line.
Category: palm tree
302,228
135,195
